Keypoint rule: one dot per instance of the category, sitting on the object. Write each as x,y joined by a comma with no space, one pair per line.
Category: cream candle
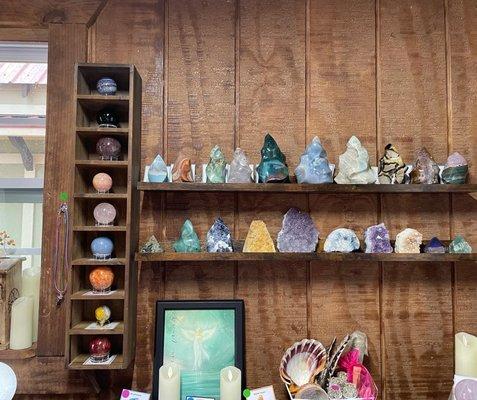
21,327
169,382
230,384
466,355
31,288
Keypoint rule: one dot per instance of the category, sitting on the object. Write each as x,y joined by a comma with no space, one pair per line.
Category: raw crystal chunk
215,169
354,165
152,246
272,167
298,233
425,168
258,239
219,239
377,239
391,166
459,245
240,171
188,241
314,166
158,170
182,170
434,246
455,170
408,241
341,240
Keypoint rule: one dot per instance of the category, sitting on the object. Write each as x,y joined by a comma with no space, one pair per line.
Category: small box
10,288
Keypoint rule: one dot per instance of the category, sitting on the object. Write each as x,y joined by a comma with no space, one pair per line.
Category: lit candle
31,288
21,327
230,384
169,382
466,355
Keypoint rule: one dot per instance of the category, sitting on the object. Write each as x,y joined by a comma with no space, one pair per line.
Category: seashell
312,391
302,362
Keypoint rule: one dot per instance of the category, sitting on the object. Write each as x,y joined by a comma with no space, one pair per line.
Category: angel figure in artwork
198,336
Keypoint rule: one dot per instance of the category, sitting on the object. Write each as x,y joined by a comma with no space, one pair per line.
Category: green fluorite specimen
459,245
215,169
188,242
272,167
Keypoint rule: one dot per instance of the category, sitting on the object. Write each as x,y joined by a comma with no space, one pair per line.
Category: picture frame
219,326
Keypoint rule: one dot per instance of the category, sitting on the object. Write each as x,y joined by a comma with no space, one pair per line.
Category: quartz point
434,246
341,240
152,246
188,241
459,245
240,171
354,165
216,168
425,169
258,239
377,239
182,170
272,167
219,238
391,166
158,170
314,166
408,241
455,170
298,233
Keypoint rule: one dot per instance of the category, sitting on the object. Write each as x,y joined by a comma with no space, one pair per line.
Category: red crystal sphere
99,347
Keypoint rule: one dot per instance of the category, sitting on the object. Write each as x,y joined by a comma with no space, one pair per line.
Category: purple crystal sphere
104,213
298,233
108,147
466,389
377,239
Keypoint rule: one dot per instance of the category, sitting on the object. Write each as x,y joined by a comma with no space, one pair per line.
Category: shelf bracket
473,195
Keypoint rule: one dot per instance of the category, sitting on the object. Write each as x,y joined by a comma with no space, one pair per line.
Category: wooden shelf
96,130
77,363
23,354
80,329
104,100
101,196
304,188
92,261
101,163
114,295
89,228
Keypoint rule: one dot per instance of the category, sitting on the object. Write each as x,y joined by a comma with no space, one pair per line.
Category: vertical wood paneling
66,45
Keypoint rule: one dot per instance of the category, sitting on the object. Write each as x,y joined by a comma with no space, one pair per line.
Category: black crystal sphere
107,117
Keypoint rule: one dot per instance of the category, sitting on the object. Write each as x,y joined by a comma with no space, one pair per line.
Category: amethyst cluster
298,233
377,239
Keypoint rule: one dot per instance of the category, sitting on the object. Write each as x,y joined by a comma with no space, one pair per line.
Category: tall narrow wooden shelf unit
123,195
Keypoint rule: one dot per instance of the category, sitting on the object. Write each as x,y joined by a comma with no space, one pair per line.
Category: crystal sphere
8,382
466,389
107,118
108,148
99,349
104,214
106,86
102,247
102,315
101,279
102,182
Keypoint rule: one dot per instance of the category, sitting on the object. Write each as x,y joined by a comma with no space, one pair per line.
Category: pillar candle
466,355
230,384
169,382
31,288
21,328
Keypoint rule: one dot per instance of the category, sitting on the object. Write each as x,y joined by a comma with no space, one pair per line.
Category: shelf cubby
86,145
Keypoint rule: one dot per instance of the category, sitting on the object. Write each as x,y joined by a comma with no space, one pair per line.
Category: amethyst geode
298,233
377,239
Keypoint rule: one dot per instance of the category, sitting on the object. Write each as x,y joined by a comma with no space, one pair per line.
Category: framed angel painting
201,338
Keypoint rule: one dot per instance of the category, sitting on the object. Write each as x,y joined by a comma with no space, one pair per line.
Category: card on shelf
106,327
263,393
93,293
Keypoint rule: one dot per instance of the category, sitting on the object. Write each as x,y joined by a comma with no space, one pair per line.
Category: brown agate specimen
182,170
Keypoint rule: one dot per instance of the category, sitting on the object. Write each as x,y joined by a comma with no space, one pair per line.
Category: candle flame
170,372
229,375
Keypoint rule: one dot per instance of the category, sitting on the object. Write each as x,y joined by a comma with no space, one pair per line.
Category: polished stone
188,241
341,240
391,167
425,170
216,168
314,166
272,167
455,170
434,246
157,171
240,171
354,165
152,246
258,239
377,239
219,238
460,245
408,241
298,233
182,170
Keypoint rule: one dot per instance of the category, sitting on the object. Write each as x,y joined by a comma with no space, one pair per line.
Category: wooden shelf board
115,295
78,361
80,329
23,354
93,131
92,261
101,163
304,188
107,100
89,228
100,196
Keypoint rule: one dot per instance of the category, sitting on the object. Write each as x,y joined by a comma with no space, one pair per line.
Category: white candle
31,288
230,384
466,355
169,382
21,328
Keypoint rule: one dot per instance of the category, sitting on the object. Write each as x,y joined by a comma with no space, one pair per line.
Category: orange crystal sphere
101,278
102,182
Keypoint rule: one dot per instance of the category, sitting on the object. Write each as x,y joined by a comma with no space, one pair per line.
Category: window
23,74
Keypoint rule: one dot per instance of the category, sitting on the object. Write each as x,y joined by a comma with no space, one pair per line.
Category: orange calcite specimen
258,239
182,170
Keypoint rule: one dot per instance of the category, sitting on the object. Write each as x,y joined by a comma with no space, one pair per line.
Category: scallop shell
312,391
302,362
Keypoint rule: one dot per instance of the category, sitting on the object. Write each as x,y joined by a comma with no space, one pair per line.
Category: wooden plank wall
225,72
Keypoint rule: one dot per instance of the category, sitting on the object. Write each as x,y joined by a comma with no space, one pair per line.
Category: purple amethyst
434,246
298,233
108,148
377,239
